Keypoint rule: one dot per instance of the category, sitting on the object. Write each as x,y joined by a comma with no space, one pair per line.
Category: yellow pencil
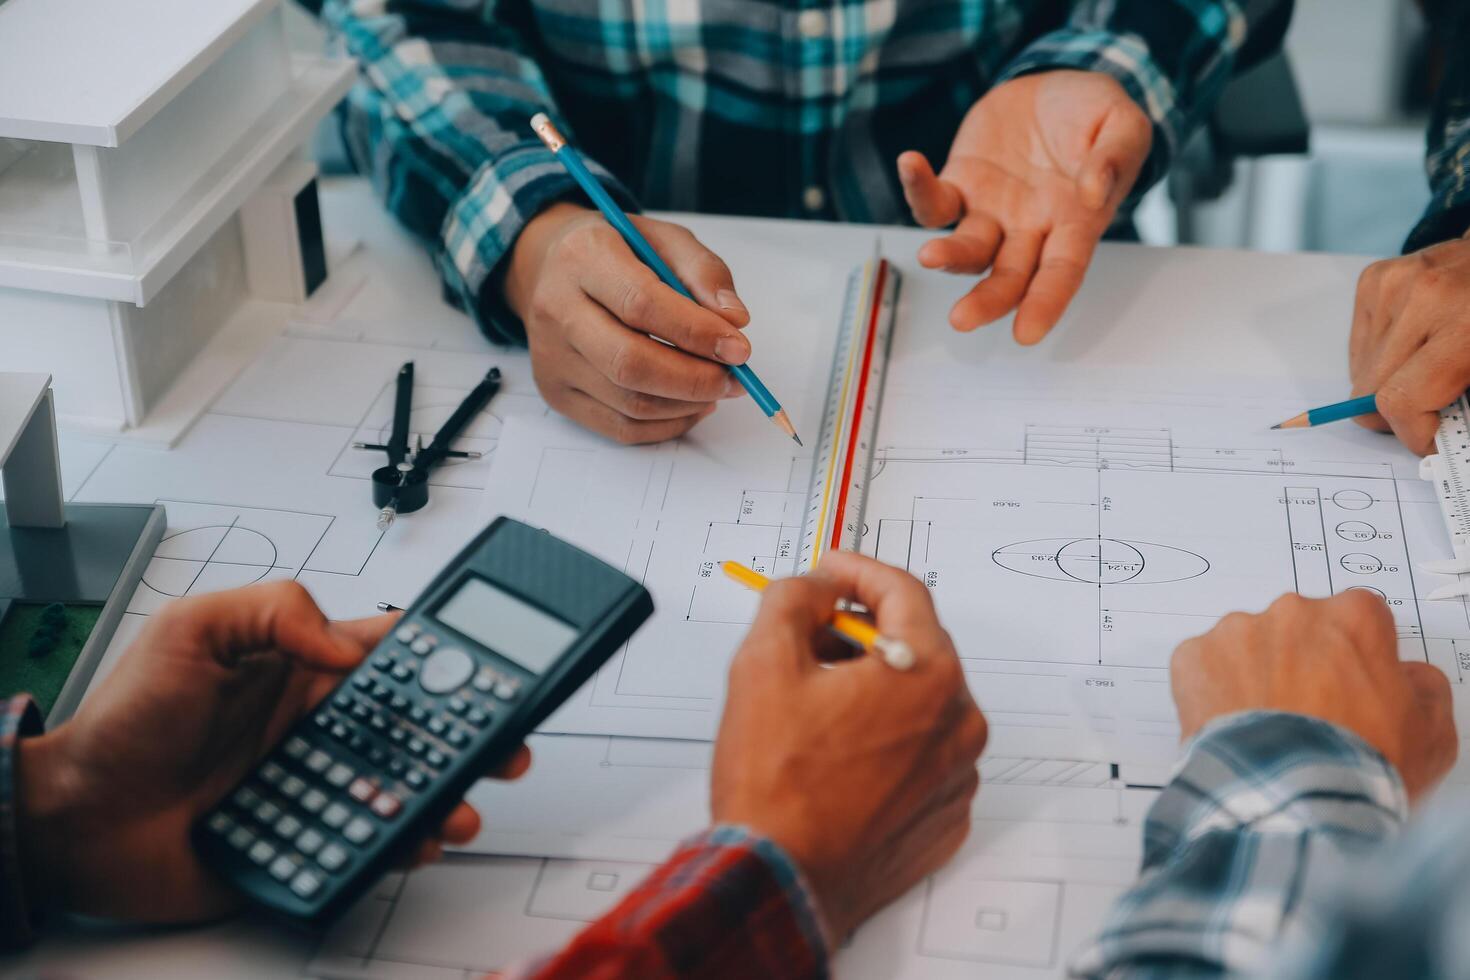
896,653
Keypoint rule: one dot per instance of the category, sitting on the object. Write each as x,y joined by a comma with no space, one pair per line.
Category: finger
1365,617
702,271
515,767
935,203
620,428
900,604
1364,337
461,826
428,852
366,633
971,249
637,405
1118,152
632,293
635,362
793,615
1001,291
1063,267
1433,377
226,626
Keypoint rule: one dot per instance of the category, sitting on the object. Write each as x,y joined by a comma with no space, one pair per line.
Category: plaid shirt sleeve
441,124
1265,807
726,904
1172,56
19,717
1448,164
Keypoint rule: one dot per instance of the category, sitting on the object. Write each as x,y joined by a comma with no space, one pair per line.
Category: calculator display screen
506,625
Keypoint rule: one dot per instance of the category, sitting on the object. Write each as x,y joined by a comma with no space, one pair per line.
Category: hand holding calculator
504,634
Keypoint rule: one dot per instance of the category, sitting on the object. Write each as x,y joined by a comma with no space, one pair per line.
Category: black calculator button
358,744
457,738
446,670
296,747
398,736
332,857
339,731
435,758
360,711
335,815
423,645
318,761
437,726
220,823
418,714
397,767
288,827
386,805
361,790
241,838
406,632
261,852
306,884
310,841
377,757
322,720
246,798
267,812
339,775
417,746
382,692
402,674
477,717
283,868
342,699
378,723
292,787
398,703
313,801
485,681
416,779
359,831
362,681
457,705
382,661
506,690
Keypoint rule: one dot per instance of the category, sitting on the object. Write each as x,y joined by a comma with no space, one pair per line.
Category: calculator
501,637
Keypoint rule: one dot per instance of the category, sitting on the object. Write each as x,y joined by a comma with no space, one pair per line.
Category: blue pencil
1349,409
572,160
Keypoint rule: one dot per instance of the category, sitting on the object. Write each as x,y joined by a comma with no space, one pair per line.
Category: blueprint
1052,843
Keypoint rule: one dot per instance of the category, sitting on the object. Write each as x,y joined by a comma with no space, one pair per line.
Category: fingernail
729,301
734,349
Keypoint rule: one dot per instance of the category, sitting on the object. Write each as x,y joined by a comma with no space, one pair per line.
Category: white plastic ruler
1449,469
844,452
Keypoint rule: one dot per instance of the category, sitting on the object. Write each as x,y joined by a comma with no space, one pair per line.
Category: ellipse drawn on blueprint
1101,561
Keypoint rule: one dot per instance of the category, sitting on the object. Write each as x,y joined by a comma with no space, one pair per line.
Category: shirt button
813,198
812,23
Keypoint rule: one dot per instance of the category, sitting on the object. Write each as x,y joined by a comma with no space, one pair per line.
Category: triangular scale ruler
1449,469
833,519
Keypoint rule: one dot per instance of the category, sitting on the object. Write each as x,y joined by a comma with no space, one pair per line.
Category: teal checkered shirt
792,108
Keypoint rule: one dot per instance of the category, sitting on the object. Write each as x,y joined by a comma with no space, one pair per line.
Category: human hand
1034,177
863,775
592,311
1411,339
207,689
1335,659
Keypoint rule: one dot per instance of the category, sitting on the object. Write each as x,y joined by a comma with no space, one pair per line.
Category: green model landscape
39,643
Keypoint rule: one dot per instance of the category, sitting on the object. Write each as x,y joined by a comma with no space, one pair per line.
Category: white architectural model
156,210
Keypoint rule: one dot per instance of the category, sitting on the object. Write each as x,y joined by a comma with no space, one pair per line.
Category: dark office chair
1260,114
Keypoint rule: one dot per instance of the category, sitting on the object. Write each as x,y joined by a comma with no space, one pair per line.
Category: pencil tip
1276,426
798,440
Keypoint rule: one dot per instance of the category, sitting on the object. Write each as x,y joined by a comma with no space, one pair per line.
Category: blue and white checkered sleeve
1173,57
1264,807
440,121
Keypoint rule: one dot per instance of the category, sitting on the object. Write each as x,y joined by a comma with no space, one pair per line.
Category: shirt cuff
19,718
482,225
1126,58
1263,805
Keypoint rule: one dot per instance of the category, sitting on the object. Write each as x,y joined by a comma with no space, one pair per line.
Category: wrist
49,800
529,253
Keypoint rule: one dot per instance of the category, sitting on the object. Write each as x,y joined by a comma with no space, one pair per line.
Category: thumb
230,626
935,203
1118,152
789,627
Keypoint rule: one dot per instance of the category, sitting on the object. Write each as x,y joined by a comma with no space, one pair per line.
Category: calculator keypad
330,793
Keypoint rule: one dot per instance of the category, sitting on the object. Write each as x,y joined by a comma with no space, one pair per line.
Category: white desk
1274,318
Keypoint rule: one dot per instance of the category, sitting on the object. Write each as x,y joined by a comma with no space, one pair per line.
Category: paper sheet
1073,525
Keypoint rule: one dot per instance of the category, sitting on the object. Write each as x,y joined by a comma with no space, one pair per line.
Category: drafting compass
402,486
